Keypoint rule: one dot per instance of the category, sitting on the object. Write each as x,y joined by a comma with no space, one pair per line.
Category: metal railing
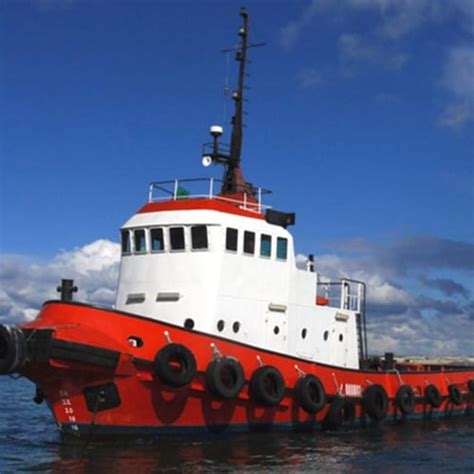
205,188
350,295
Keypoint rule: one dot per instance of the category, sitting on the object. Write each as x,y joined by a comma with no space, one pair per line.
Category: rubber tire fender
470,385
405,399
7,354
13,350
341,413
225,377
375,402
433,396
267,386
175,365
310,393
455,395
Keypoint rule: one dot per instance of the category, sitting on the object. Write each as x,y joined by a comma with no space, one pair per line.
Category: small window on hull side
199,237
249,242
157,240
265,245
231,239
125,234
139,240
282,248
177,238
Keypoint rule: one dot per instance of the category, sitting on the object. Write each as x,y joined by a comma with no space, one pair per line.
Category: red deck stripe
199,204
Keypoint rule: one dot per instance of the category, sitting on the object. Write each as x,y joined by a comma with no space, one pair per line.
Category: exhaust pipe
13,352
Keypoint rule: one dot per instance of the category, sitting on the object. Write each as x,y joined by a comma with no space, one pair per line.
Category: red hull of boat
147,406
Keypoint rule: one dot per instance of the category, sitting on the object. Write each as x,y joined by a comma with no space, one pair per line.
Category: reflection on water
29,442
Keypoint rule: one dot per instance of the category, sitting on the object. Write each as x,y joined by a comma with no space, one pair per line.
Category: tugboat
215,327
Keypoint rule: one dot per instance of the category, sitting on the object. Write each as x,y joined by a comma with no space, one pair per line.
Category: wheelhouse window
199,237
177,238
125,237
231,239
157,240
282,248
249,242
266,245
139,240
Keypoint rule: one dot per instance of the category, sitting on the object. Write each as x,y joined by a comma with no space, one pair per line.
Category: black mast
233,174
233,181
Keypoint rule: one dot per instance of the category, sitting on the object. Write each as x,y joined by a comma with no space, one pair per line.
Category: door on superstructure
339,343
276,330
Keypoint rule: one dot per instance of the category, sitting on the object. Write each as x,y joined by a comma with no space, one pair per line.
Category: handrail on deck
353,302
179,189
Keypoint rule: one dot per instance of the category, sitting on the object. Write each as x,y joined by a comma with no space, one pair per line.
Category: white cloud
458,80
352,48
26,283
399,18
290,34
384,293
310,77
383,44
380,291
400,317
412,334
459,72
454,116
396,18
355,50
94,257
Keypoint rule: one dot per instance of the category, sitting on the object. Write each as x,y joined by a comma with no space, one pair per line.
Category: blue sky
360,119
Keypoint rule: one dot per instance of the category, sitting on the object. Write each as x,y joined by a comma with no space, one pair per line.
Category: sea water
29,442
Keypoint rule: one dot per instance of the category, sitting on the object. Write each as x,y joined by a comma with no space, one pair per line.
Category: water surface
29,442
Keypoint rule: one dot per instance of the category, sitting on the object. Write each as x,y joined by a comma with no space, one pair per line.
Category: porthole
276,330
341,337
220,325
303,333
325,335
189,323
236,327
135,341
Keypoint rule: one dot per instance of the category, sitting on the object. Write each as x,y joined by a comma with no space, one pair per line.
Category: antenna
233,181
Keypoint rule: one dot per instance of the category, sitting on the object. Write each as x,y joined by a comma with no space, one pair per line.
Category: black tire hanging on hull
455,395
310,394
267,386
341,414
405,399
13,351
433,396
175,365
225,377
375,402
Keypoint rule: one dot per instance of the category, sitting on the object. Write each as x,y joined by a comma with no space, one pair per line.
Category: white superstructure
219,267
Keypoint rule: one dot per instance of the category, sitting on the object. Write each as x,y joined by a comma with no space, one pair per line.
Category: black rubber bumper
13,350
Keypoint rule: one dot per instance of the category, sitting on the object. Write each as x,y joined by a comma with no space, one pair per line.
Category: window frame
199,249
163,239
122,232
249,232
145,250
236,239
262,240
171,249
283,239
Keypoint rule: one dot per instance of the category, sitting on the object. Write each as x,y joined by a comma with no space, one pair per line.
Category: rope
100,398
